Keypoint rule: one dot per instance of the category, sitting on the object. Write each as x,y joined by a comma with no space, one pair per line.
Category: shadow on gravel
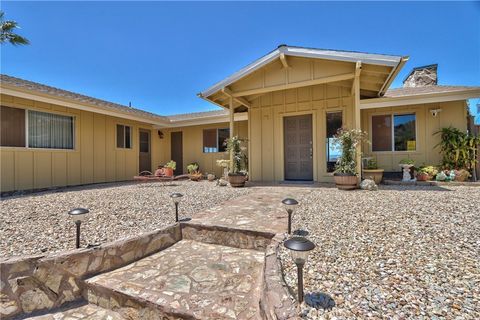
412,188
319,300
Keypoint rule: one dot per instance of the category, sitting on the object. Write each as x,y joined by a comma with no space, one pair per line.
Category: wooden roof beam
240,100
306,83
283,59
358,69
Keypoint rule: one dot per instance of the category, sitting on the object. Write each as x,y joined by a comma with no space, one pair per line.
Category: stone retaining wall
276,302
32,283
237,238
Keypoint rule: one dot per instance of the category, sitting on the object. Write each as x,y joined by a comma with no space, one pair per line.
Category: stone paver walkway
260,211
85,312
201,276
191,278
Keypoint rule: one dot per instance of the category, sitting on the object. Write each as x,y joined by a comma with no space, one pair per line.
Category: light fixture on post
176,197
290,204
78,215
299,249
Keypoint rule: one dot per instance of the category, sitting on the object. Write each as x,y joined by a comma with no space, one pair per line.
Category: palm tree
7,34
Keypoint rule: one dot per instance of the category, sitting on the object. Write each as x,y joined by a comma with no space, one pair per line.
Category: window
334,122
214,140
394,132
124,136
50,131
12,127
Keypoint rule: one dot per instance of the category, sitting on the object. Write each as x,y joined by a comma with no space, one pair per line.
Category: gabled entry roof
394,62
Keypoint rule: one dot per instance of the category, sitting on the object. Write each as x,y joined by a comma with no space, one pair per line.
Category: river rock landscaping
397,253
36,223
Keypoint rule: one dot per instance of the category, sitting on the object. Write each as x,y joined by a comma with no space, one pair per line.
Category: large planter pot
373,174
345,181
237,180
168,172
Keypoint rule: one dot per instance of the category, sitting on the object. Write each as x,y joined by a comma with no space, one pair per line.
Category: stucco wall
95,157
452,114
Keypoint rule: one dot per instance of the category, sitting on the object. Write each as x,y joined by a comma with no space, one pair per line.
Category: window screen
382,133
12,127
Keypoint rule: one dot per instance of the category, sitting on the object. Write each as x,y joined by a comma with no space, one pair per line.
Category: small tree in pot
345,173
237,175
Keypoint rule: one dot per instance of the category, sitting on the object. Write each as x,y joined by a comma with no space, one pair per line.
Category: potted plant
237,175
345,173
426,173
371,171
225,164
169,168
193,172
408,168
462,175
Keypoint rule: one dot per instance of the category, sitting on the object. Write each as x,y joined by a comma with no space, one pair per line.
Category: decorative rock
368,184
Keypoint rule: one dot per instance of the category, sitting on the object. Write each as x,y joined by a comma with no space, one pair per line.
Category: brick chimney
422,77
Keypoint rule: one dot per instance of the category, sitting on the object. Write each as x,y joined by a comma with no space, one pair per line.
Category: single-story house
288,104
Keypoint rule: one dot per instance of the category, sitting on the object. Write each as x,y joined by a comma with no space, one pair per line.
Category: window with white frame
124,136
394,132
214,140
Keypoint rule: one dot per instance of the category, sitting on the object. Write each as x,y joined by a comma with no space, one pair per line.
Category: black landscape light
290,204
78,215
176,197
299,249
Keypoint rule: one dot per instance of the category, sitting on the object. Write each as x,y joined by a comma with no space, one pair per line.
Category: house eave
65,102
386,102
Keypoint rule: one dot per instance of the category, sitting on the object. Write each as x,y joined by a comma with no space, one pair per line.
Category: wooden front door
145,155
176,149
298,147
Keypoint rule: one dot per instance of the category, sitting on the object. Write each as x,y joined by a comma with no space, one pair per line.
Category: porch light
290,204
78,215
299,249
176,197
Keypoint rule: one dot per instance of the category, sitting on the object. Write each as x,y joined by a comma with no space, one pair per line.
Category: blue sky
158,55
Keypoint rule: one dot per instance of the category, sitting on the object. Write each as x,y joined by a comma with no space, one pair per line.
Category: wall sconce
435,112
160,134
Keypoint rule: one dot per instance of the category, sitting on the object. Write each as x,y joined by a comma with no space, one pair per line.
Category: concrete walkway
204,276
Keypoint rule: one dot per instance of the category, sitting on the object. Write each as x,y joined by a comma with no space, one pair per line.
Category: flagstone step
83,311
189,280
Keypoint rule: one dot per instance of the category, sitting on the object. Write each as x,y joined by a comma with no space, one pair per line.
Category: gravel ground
35,223
393,254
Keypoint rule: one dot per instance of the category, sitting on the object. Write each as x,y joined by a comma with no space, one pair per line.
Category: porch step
79,311
189,280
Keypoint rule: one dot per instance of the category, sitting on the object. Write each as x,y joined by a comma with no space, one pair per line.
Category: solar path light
176,197
78,215
299,249
290,204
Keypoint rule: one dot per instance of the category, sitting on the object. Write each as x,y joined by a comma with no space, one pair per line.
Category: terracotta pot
168,172
237,180
345,181
195,176
423,176
374,174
